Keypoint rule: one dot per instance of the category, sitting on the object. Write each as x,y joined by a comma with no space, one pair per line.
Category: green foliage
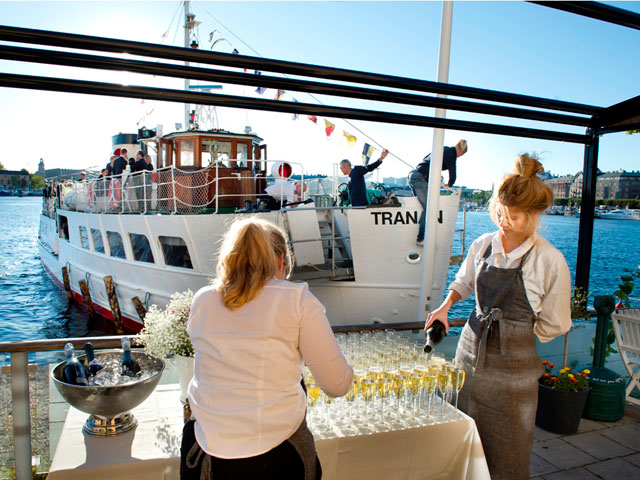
37,182
2,166
626,287
481,198
631,132
579,303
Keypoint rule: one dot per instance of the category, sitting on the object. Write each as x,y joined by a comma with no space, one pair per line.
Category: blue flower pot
558,411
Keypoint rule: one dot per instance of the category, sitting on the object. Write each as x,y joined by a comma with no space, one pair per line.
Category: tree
37,182
2,166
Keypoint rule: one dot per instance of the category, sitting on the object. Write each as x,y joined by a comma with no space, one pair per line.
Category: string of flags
329,127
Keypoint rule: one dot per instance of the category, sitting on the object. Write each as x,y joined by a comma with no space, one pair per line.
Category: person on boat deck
522,288
120,163
252,332
357,186
419,179
283,193
109,166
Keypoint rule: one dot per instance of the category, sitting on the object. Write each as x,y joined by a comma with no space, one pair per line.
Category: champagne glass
384,388
457,381
444,382
349,429
368,393
313,393
430,383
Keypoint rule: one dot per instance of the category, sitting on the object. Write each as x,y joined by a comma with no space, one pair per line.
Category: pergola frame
597,120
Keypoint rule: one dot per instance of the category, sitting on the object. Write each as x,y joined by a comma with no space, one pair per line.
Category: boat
620,214
157,233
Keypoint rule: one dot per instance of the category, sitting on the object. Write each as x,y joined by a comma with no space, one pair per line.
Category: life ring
115,192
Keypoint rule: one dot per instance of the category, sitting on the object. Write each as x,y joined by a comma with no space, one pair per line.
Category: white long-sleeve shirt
246,394
546,278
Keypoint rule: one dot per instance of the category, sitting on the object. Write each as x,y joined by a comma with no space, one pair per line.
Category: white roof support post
187,35
435,170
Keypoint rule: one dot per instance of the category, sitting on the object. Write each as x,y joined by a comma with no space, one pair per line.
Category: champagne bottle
74,373
435,334
129,366
94,364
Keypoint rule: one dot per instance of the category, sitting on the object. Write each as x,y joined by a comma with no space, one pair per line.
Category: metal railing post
173,186
21,418
144,190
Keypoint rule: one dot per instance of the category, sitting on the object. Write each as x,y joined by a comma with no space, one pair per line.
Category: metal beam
56,57
180,96
623,113
598,11
86,42
587,207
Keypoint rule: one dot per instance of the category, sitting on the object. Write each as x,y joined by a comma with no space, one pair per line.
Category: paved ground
600,450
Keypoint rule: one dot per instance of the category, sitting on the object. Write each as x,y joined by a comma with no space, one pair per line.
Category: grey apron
497,350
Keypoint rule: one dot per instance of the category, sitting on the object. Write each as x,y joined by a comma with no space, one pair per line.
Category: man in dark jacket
357,186
120,163
419,178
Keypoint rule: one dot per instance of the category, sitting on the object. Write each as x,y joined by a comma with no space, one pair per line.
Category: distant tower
40,171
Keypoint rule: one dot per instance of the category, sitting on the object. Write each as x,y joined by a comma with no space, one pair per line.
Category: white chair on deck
626,325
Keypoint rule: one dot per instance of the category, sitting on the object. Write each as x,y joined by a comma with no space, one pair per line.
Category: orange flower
546,375
545,362
573,380
554,379
551,365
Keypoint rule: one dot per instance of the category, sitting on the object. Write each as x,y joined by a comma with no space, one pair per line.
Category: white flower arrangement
165,331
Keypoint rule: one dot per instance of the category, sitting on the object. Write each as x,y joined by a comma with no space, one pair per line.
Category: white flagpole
435,170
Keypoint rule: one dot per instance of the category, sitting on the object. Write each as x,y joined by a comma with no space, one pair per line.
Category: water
615,247
33,307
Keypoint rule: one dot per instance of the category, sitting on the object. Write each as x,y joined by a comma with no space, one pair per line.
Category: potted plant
165,335
561,399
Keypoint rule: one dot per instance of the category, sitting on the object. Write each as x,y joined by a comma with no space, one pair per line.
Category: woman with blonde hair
522,288
252,331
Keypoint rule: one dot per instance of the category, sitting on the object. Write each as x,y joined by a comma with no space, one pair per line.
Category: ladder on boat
320,243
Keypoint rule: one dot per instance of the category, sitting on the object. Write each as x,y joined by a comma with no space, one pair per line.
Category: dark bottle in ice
74,372
129,366
93,363
435,334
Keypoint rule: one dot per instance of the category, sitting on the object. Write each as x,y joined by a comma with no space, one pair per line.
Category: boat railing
167,190
19,371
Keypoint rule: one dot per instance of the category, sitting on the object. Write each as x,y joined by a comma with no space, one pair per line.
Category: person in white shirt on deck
252,331
280,194
523,288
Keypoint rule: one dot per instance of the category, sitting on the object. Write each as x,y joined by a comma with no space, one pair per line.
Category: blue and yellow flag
367,151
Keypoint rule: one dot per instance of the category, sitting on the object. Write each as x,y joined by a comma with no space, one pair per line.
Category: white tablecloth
449,450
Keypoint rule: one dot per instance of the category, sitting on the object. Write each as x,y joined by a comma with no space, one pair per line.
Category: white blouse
246,395
546,277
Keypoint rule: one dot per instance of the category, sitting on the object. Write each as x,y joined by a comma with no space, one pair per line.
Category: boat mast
435,169
188,25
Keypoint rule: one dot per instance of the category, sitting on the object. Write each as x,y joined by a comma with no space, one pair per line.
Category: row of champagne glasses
396,385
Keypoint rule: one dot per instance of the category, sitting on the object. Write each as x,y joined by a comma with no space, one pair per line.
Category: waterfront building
618,185
14,178
41,171
560,186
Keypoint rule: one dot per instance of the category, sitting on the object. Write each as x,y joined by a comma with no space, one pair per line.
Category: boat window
63,227
115,245
175,252
141,248
186,153
217,151
97,240
241,154
84,238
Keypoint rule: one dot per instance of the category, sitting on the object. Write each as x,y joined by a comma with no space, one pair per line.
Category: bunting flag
367,151
328,127
350,138
295,115
279,94
313,118
235,52
260,90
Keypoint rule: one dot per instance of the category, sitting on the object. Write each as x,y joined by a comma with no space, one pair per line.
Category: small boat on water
620,214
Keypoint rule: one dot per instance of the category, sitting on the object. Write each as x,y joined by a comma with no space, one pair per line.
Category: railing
165,190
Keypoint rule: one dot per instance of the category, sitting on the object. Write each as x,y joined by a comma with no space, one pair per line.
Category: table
449,450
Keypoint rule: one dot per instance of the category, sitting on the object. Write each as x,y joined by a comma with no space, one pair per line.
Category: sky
506,46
